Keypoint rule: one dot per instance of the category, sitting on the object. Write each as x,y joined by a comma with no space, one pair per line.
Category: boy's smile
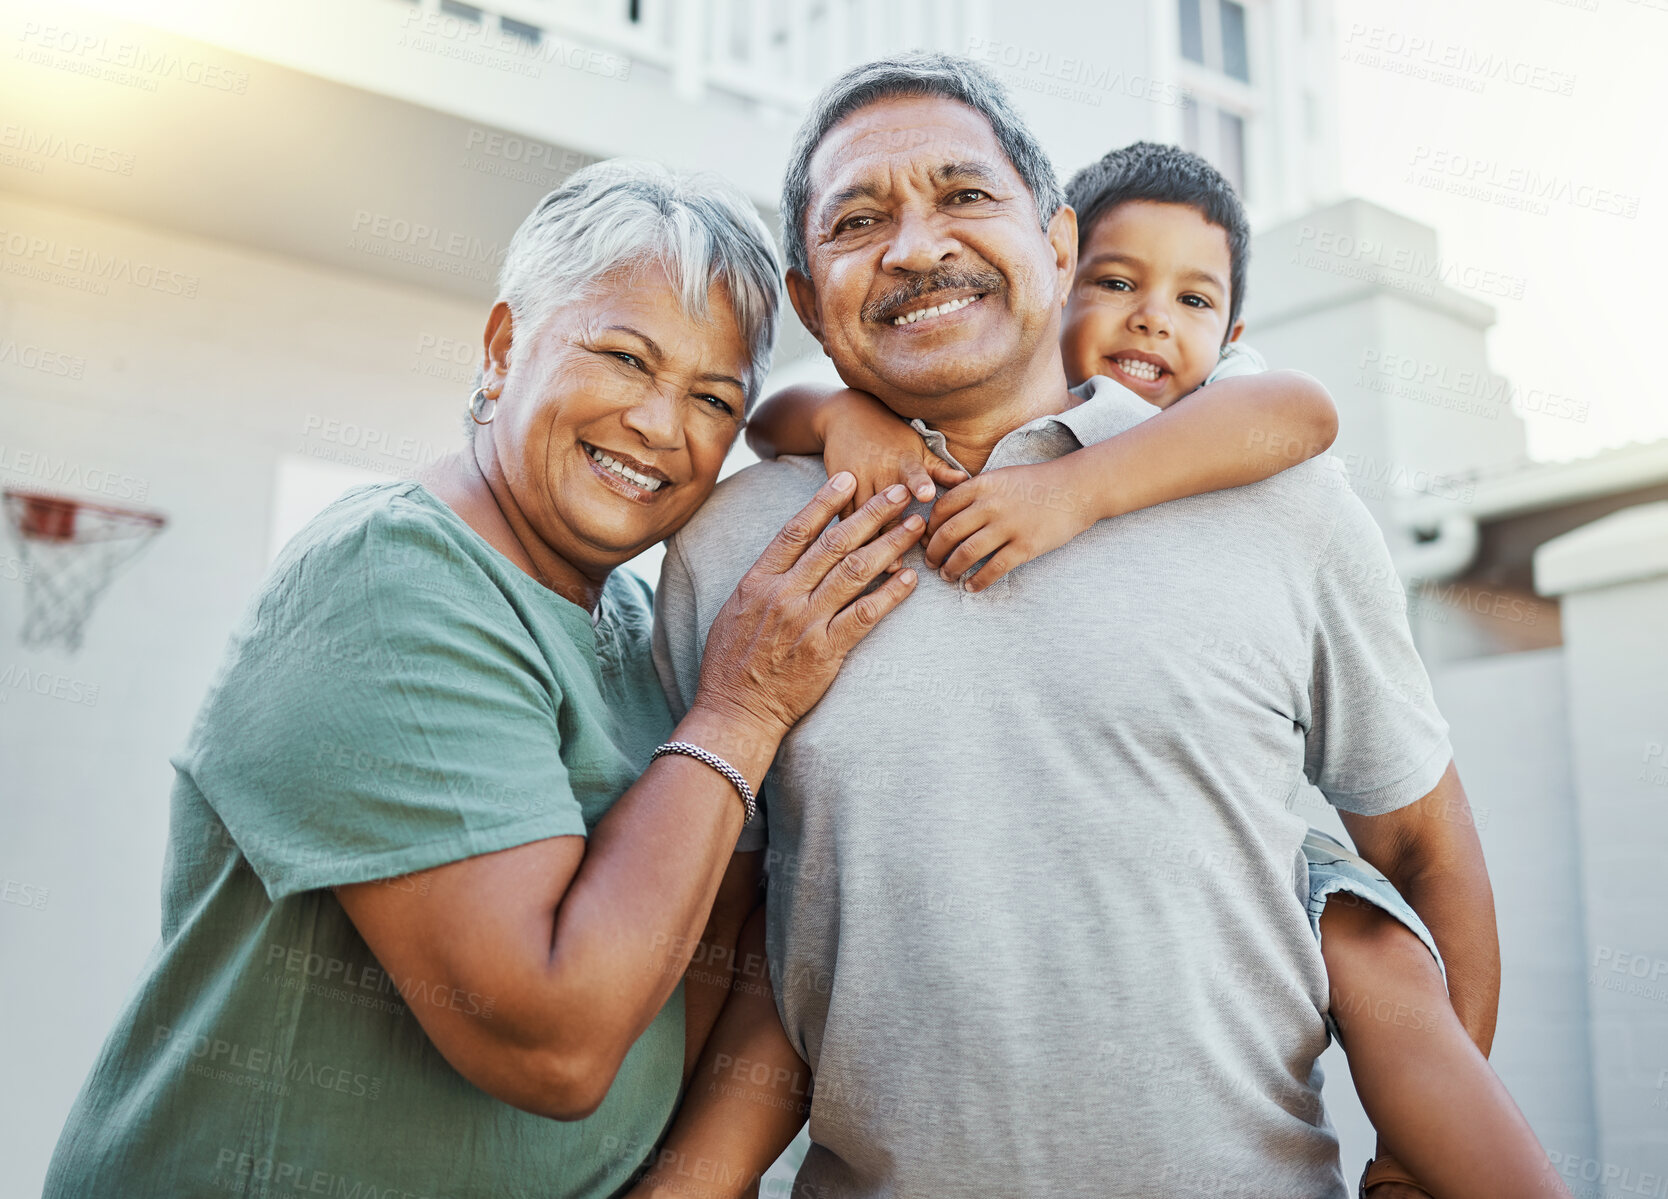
1149,304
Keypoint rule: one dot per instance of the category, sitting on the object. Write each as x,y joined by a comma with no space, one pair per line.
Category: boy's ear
1239,327
802,294
1062,236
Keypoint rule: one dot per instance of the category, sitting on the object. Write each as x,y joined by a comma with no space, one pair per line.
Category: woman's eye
718,404
628,359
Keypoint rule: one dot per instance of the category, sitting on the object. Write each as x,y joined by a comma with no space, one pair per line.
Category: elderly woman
439,858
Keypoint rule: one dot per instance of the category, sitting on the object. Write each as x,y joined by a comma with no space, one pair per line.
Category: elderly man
1033,869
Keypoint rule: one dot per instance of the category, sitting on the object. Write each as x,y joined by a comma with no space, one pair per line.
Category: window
1213,35
1235,61
1192,32
1216,120
1218,136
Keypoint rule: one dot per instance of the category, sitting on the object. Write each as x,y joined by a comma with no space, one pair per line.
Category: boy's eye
1114,284
1193,301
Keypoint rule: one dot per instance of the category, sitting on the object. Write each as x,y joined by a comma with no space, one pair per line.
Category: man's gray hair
918,74
620,214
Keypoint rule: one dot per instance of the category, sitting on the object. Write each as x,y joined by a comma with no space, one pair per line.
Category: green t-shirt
399,696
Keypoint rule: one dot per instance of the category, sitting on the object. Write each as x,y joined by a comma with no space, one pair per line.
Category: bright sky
1594,308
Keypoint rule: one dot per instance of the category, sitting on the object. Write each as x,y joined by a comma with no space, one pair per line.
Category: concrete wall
1613,579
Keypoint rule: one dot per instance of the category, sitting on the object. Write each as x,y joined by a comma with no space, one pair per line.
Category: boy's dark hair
1165,175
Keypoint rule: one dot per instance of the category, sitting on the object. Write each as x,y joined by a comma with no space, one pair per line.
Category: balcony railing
777,53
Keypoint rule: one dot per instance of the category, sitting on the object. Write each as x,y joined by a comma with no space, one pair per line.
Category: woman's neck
471,483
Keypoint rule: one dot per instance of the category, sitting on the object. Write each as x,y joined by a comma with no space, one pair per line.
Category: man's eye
853,223
968,195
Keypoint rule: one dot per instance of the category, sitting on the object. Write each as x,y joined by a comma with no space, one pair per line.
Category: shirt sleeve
679,637
1375,740
383,711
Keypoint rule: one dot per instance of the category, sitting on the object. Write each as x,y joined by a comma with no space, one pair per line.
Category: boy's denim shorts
1334,868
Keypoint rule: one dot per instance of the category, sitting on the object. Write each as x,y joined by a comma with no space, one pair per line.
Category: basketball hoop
73,549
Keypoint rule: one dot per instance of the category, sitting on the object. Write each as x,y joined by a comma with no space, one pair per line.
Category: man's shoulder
746,510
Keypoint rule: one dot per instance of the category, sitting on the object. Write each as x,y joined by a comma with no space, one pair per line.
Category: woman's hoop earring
475,406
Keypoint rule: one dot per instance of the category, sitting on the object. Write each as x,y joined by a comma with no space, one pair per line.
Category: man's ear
1239,327
1062,236
500,333
802,294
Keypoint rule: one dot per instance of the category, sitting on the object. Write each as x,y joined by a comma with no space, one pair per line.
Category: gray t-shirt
1035,876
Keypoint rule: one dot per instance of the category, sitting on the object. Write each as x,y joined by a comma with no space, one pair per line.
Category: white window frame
1213,88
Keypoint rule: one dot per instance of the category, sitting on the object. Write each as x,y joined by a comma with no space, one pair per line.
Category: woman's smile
624,475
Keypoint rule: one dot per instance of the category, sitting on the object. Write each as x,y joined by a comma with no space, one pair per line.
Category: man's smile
942,308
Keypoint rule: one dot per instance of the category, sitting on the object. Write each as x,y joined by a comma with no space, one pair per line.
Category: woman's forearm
636,910
1233,432
790,421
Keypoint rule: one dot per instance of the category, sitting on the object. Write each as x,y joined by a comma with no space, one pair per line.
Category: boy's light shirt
1237,359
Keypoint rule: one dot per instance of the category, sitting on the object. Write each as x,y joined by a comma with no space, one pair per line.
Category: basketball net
72,549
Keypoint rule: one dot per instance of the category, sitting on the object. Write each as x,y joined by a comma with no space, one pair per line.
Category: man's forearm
748,1099
708,981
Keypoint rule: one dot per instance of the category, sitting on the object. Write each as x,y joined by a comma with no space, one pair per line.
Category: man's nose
919,243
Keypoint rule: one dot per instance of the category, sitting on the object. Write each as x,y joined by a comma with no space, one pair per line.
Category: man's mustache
905,296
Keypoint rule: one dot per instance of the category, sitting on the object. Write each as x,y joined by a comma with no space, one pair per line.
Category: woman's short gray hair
918,73
619,214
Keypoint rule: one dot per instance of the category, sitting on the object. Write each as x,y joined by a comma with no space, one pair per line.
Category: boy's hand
1013,512
862,435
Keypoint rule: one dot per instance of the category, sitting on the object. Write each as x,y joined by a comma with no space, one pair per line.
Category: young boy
1155,306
